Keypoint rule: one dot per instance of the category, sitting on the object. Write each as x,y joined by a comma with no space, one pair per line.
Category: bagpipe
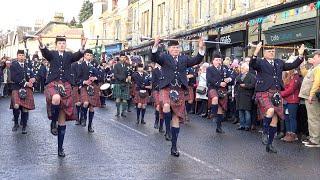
28,78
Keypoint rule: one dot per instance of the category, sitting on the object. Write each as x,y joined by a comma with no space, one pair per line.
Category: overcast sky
26,12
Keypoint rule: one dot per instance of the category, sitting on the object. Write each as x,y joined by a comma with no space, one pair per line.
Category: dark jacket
269,76
120,73
86,71
1,76
42,73
140,81
156,78
60,68
19,75
244,94
171,71
215,77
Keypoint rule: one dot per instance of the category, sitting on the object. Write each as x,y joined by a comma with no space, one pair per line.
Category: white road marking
136,131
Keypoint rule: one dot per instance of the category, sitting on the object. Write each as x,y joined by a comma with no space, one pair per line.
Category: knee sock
143,111
214,109
78,112
24,118
118,107
91,114
55,110
138,113
124,106
167,120
175,132
157,117
61,133
16,114
266,125
161,124
219,120
272,132
84,112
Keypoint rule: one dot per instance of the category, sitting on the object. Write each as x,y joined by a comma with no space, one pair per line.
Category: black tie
60,56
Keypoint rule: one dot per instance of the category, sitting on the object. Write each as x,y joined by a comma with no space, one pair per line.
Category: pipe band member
174,84
22,99
268,87
58,89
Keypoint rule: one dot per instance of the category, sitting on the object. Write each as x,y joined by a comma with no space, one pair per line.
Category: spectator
245,83
290,94
201,91
7,79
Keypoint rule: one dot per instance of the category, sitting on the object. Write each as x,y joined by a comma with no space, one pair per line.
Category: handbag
201,90
61,90
276,99
90,90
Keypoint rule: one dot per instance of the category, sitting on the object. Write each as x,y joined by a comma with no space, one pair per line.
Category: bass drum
105,89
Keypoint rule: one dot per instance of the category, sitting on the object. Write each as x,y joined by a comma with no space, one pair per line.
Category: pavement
119,149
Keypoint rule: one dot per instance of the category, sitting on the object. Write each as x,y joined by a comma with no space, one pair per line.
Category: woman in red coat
290,94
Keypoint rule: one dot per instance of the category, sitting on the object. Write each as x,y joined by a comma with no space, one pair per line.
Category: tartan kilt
76,94
190,95
66,103
264,103
138,100
156,97
177,108
132,89
222,102
121,92
93,100
27,103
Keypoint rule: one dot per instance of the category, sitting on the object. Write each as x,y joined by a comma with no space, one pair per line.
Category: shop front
292,34
235,47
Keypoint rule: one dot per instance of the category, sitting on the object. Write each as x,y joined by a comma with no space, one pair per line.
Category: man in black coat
217,81
268,87
244,90
58,88
22,95
174,84
42,74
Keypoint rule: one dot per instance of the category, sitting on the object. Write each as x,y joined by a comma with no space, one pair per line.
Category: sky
26,12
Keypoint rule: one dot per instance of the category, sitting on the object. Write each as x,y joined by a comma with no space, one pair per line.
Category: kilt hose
27,103
66,103
178,108
121,91
93,100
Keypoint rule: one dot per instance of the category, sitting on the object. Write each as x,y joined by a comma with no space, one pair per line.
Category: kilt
190,96
132,89
264,103
156,98
177,108
75,94
27,103
138,100
66,103
222,102
121,92
93,100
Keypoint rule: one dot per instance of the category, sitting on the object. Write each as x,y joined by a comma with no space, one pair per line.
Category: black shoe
138,121
247,129
241,128
90,130
235,121
117,115
161,130
271,149
168,136
128,110
24,130
83,123
123,115
264,139
175,152
61,153
53,129
78,122
142,121
220,131
156,126
15,127
204,115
